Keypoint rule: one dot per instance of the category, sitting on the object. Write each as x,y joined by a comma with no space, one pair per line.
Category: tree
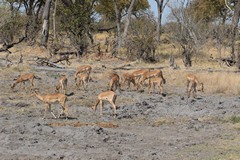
127,21
234,30
115,10
188,31
76,18
160,6
209,10
46,23
32,10
141,42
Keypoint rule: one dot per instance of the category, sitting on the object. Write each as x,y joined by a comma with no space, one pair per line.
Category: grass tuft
234,119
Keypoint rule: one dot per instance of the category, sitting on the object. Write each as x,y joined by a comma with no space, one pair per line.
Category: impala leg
101,107
187,85
46,110
161,88
66,111
114,108
49,108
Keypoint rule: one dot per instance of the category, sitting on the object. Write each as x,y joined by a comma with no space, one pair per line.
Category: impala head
57,88
94,108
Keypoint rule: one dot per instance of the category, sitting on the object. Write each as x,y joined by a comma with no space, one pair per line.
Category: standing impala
82,80
48,99
109,96
62,84
159,81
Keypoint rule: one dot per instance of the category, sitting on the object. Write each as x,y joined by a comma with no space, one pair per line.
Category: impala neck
38,96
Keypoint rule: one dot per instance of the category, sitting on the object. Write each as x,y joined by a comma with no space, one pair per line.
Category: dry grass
214,82
228,83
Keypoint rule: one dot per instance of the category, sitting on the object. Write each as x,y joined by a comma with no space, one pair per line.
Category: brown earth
148,126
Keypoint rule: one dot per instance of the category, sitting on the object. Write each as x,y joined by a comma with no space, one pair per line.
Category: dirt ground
147,126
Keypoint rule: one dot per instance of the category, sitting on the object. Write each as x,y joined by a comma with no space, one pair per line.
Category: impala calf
151,74
62,84
109,96
82,80
25,77
48,99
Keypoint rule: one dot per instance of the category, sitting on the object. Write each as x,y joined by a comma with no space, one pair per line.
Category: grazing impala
192,89
159,81
150,74
128,78
192,77
138,74
48,99
83,69
82,80
25,77
62,84
114,83
109,96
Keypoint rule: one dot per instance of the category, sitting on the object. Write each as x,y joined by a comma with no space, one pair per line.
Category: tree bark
159,19
160,7
46,23
235,21
54,20
118,20
127,21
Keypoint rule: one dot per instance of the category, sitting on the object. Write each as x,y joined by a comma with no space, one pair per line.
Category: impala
62,84
25,77
159,81
138,74
128,78
150,74
109,96
48,99
192,89
192,77
82,80
83,69
114,83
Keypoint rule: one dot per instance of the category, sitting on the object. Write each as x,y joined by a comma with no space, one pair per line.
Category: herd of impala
82,76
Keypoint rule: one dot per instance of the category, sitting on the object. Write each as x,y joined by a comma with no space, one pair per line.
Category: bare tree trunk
235,21
118,38
46,23
54,20
160,7
159,19
238,62
187,57
127,21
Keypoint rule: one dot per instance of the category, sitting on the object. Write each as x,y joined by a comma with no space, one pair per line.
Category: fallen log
47,62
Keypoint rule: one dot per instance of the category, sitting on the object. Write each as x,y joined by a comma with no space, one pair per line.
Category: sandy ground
148,126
